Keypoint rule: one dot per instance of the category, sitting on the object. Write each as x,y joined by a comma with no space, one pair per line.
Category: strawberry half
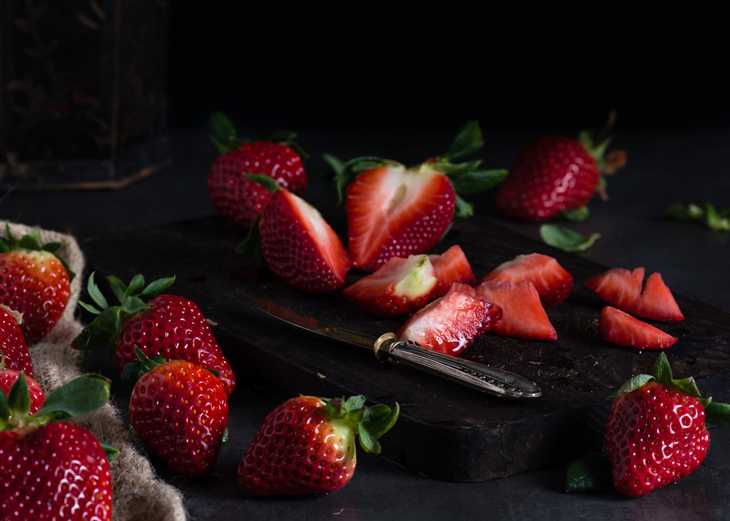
449,267
623,289
399,287
522,313
550,279
622,329
307,445
300,247
14,352
395,211
450,324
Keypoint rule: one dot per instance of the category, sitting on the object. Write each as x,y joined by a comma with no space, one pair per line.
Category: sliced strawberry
300,247
399,287
657,301
394,212
451,323
550,279
522,313
622,329
618,287
451,266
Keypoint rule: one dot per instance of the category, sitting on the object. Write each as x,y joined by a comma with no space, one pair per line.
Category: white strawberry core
416,277
317,225
402,187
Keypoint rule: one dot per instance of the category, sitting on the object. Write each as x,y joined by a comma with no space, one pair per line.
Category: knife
389,348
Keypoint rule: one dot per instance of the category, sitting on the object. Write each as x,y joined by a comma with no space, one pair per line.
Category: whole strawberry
180,411
158,324
34,282
656,431
556,175
233,194
53,469
14,352
9,377
307,445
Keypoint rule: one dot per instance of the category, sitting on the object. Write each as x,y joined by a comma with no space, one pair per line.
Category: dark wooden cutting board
445,432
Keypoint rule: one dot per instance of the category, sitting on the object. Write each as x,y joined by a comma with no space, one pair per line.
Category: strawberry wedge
399,287
622,288
550,279
522,313
622,329
393,211
450,324
449,267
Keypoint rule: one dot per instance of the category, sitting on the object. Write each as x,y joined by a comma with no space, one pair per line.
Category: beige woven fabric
138,494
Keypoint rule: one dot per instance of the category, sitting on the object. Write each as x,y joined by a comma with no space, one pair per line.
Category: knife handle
474,375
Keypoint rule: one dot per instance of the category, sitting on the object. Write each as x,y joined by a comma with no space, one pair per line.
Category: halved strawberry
451,323
623,289
622,329
399,287
522,313
451,266
550,279
300,247
393,211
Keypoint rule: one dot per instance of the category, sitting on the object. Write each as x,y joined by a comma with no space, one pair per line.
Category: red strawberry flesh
550,279
14,352
657,301
451,323
449,267
622,329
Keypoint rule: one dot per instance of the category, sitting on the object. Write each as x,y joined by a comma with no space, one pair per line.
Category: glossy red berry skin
14,352
8,377
654,437
550,176
298,451
242,200
174,327
180,411
35,284
58,471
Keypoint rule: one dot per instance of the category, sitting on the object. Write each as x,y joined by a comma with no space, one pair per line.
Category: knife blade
389,348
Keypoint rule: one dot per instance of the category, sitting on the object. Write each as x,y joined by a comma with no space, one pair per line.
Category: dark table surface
663,167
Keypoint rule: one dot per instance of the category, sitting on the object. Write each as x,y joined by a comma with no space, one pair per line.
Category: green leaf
467,141
707,214
476,181
102,332
354,403
685,212
367,442
379,419
464,209
88,307
714,220
157,287
118,287
111,452
95,293
577,214
663,370
566,239
81,395
591,473
135,285
4,409
223,132
687,386
634,383
19,397
52,247
718,413
133,305
267,182
250,246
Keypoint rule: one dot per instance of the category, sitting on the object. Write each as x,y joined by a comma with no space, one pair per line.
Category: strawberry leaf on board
576,214
705,213
566,239
468,140
591,473
80,396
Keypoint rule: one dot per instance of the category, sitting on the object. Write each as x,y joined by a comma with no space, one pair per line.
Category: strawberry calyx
597,145
77,397
369,424
133,371
132,299
32,242
225,138
346,171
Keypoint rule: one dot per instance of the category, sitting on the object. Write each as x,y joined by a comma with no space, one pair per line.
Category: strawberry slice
522,313
550,279
300,247
450,324
622,329
623,289
451,266
393,212
399,287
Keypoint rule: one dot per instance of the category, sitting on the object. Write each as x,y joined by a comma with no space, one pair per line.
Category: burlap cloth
138,494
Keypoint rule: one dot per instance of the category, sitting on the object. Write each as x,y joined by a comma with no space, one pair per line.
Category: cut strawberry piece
399,287
300,247
550,279
394,212
657,301
623,289
451,323
522,313
451,266
622,329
